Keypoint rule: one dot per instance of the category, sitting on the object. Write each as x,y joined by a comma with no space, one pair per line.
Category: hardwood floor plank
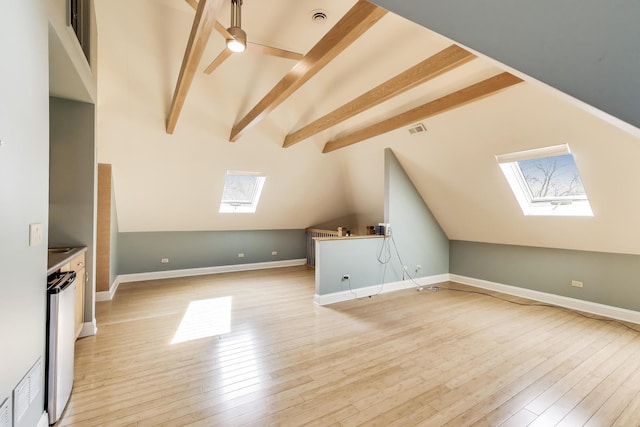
627,363
615,406
396,359
534,382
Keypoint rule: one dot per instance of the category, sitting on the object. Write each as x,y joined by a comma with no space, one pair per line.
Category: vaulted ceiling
169,163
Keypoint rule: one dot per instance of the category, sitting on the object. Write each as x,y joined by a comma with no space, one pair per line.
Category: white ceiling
174,182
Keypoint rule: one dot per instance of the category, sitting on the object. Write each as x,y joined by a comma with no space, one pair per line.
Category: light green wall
72,185
417,239
416,233
24,177
610,279
356,257
141,252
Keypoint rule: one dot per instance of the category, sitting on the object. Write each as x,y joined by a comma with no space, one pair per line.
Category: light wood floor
398,359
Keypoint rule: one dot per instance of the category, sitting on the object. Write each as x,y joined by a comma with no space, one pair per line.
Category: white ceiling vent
419,128
319,16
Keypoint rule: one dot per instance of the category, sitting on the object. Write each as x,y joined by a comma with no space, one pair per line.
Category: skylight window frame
238,206
541,206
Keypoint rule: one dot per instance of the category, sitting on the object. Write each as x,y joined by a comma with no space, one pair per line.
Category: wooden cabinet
77,264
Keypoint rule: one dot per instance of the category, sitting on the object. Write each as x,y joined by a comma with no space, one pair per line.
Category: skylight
546,181
241,192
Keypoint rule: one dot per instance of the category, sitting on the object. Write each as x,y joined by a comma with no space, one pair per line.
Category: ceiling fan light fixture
238,40
238,43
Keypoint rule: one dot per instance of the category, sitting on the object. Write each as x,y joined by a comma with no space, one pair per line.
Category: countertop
60,256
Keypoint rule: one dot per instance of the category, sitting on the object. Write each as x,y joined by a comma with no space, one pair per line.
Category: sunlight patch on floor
203,319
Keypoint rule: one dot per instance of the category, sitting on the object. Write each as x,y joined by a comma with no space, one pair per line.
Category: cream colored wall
174,182
458,175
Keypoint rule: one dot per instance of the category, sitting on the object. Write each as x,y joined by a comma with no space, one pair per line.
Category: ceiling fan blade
218,61
256,47
274,51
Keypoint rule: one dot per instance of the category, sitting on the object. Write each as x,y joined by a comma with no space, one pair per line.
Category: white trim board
335,297
561,301
108,295
172,274
44,420
571,303
89,329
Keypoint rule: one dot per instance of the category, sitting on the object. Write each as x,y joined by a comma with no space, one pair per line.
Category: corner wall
24,178
417,235
417,239
72,185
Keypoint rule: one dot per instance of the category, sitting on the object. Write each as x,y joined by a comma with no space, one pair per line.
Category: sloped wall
589,50
417,235
417,239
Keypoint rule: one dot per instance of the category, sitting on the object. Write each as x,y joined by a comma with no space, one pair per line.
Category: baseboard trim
108,295
562,301
336,297
89,329
172,274
44,420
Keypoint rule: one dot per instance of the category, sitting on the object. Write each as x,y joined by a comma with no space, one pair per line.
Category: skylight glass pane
240,189
552,178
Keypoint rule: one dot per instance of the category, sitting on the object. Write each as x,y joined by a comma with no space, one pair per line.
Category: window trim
230,207
538,206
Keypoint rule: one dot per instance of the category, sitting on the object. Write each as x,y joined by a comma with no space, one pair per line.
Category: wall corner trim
108,295
335,297
562,301
89,329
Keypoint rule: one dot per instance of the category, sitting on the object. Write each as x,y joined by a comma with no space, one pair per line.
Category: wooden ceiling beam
193,4
453,100
353,24
443,61
203,23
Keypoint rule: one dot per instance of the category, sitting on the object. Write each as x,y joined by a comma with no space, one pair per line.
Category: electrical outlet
165,260
418,267
240,255
576,284
274,253
346,277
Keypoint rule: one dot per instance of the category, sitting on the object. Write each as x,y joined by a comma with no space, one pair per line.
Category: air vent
5,417
419,128
319,16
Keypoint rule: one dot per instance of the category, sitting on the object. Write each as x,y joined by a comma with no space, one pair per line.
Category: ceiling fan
236,39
